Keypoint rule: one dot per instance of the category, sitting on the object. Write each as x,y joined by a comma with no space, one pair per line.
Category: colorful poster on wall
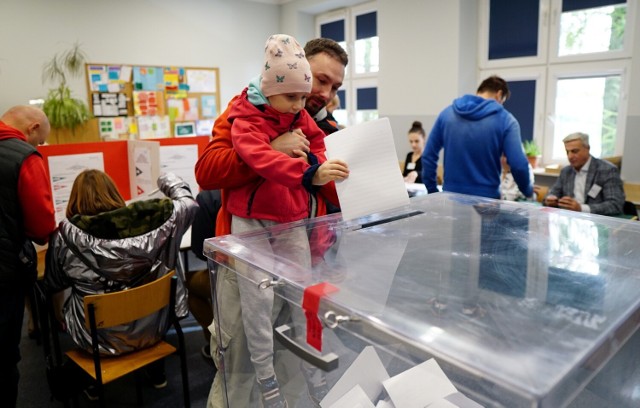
209,109
183,109
145,103
113,128
201,80
148,78
204,127
174,83
109,104
106,78
153,127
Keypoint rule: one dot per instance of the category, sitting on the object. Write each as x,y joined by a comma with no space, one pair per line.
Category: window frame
554,36
585,70
483,47
549,68
352,80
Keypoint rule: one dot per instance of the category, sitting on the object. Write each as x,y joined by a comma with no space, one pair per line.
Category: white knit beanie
286,70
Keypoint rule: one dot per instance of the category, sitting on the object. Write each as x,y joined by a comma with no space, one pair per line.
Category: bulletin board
153,102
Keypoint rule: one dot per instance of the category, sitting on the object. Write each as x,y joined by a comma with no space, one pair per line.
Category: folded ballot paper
366,384
375,182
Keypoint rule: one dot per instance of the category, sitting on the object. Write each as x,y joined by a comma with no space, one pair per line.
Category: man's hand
288,142
569,203
411,177
330,170
551,201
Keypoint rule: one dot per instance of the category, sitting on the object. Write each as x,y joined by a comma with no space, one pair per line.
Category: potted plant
64,111
533,152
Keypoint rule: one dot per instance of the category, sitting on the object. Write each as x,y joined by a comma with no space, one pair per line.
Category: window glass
513,28
333,30
366,45
592,30
521,104
588,105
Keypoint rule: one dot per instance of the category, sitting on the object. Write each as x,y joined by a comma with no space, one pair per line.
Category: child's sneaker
316,382
271,395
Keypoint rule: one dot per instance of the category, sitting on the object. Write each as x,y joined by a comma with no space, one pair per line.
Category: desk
632,193
544,178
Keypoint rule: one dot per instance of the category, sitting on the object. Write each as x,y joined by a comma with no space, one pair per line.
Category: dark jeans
11,315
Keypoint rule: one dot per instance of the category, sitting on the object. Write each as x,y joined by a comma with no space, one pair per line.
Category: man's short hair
328,46
577,136
494,84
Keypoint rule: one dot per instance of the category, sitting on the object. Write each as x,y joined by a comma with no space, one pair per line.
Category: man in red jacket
220,167
26,213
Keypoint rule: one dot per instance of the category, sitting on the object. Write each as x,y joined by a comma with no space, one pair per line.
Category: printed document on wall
375,182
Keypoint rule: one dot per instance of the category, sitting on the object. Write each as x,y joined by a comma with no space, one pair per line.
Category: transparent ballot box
453,300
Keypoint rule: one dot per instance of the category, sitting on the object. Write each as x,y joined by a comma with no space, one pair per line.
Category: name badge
595,190
411,166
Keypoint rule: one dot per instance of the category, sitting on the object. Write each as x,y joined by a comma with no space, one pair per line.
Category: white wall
428,58
211,33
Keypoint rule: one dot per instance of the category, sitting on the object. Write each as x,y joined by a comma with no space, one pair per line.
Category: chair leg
139,388
100,388
183,366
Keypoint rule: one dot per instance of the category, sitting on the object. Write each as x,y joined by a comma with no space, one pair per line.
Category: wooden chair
113,309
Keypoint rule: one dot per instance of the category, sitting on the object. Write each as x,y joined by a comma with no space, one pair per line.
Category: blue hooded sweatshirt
474,133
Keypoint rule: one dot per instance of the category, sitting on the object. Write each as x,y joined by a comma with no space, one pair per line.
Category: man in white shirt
588,185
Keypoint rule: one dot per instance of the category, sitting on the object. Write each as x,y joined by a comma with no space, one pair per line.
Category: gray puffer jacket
116,250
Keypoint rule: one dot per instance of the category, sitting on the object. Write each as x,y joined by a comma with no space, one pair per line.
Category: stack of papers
366,384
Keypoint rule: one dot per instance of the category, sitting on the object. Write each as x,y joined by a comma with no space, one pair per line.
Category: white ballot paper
367,372
356,398
419,386
375,182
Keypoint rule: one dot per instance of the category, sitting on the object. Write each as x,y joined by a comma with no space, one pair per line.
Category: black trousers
11,315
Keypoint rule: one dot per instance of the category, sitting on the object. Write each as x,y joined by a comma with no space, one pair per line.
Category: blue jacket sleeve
430,157
516,158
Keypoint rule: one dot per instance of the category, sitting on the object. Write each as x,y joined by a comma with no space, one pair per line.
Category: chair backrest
113,309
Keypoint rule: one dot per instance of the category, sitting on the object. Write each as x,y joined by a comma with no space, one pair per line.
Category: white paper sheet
181,160
419,386
366,371
355,398
63,170
385,404
375,182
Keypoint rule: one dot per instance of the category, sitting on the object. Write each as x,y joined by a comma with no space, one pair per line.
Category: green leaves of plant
62,110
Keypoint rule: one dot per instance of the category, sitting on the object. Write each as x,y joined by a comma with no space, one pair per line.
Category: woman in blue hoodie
475,131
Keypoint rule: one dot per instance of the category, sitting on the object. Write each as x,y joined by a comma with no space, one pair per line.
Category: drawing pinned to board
113,128
201,80
106,78
204,127
174,84
145,103
185,129
183,109
109,104
153,127
148,78
209,109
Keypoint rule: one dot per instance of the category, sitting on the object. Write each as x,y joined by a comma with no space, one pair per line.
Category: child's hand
300,154
330,170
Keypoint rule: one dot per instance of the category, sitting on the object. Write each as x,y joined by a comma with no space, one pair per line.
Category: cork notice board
151,102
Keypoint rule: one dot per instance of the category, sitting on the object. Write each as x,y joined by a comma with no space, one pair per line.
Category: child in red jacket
272,104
